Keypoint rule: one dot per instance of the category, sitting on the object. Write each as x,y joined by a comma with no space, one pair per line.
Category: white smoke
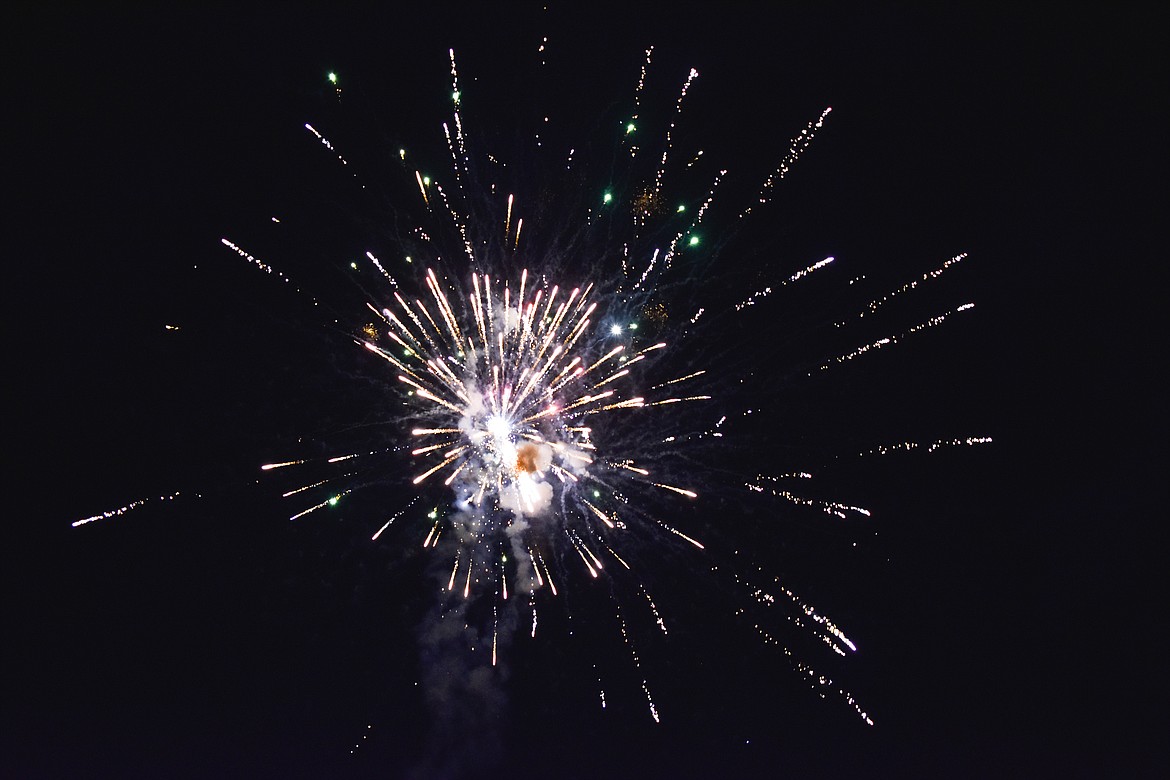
475,409
525,580
526,496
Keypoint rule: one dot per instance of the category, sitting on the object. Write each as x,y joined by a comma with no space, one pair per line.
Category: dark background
1002,596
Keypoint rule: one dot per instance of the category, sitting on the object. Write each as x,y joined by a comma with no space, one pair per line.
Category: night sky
1001,596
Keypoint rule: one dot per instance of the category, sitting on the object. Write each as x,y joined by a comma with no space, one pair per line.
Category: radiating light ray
892,340
637,663
679,379
260,264
680,491
834,508
681,535
665,401
385,274
759,294
124,509
495,632
632,125
394,517
817,681
447,461
602,516
294,491
456,97
801,614
796,148
325,142
331,501
668,257
612,552
876,303
422,187
678,106
653,609
937,444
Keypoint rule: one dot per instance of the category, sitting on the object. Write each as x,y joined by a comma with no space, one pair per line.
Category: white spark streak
124,509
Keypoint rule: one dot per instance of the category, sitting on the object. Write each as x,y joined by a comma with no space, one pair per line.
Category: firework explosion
543,425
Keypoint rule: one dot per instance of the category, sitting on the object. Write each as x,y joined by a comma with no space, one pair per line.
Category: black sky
1005,602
